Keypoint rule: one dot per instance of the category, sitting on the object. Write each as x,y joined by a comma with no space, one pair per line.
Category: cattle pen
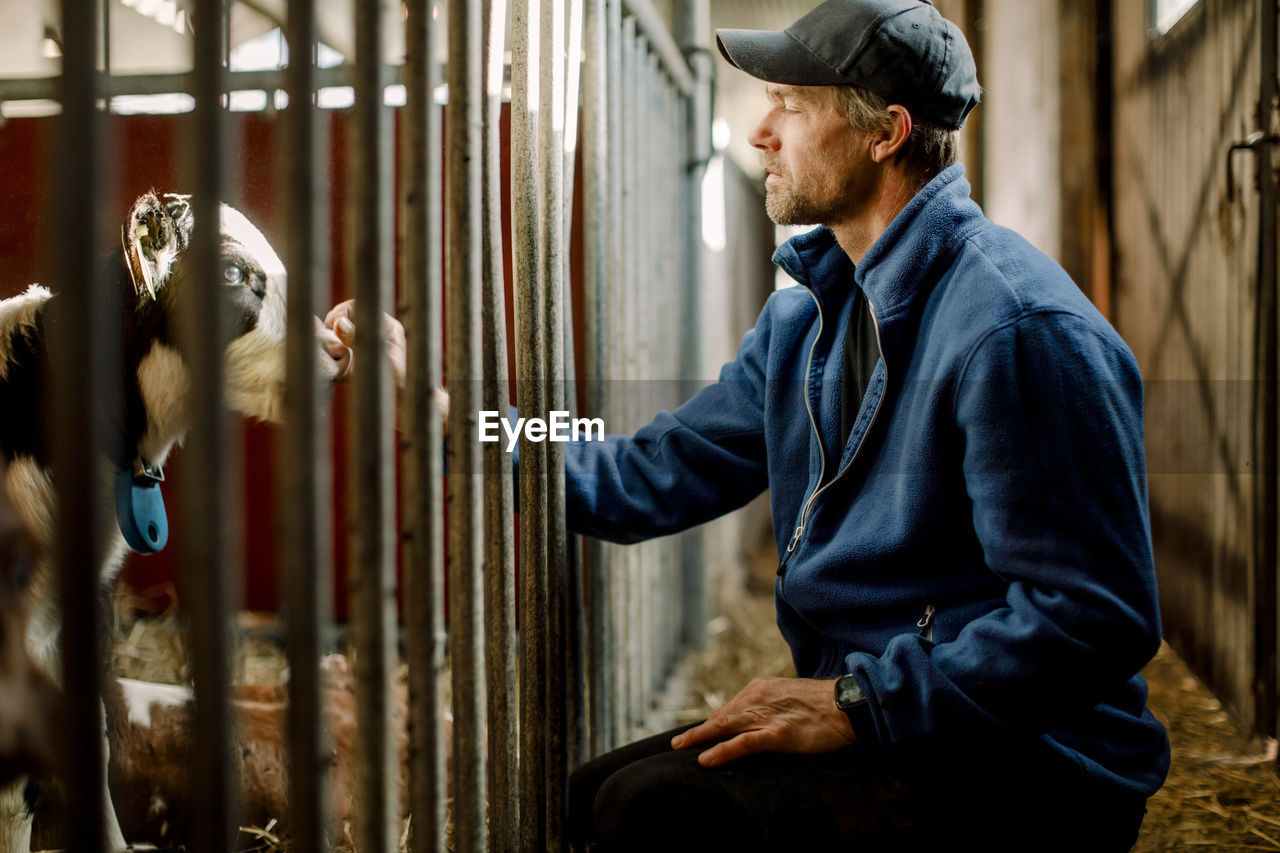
369,628
522,185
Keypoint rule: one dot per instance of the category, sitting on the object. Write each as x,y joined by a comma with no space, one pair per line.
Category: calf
148,279
152,733
28,699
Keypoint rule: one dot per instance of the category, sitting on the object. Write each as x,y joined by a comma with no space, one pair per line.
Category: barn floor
1222,793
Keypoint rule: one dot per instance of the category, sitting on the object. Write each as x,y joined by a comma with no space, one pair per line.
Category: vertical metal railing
638,115
634,564
596,270
616,288
499,569
306,546
526,102
464,301
78,346
422,437
596,639
577,732
693,29
371,580
551,202
208,531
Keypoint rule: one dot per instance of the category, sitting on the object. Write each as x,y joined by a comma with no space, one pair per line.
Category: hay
1222,792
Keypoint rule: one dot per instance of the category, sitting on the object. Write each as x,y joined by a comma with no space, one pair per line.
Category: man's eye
233,274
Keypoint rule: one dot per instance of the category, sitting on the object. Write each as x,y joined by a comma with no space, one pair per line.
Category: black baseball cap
902,50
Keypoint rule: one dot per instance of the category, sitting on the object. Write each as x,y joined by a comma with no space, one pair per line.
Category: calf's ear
156,232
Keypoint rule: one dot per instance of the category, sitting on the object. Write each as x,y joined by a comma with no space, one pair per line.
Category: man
952,438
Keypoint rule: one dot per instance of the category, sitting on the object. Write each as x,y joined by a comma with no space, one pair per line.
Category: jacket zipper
822,453
926,622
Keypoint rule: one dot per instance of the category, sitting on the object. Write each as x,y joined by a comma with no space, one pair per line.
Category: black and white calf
147,405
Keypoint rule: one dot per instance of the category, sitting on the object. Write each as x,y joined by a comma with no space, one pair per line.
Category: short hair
929,149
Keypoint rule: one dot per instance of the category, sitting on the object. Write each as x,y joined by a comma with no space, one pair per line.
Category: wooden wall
1184,298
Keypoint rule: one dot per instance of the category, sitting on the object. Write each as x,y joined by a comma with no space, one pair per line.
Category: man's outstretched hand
341,318
797,715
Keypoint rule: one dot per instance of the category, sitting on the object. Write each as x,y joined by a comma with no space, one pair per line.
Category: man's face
819,168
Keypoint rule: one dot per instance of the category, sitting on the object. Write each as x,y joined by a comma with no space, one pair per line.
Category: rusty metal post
596,271
551,221
209,560
499,570
619,557
423,437
576,678
464,121
372,581
526,100
79,347
303,505
693,31
632,62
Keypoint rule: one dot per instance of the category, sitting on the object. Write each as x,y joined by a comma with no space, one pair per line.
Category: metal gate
599,627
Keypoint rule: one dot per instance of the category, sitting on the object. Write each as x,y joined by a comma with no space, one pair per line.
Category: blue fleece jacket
978,552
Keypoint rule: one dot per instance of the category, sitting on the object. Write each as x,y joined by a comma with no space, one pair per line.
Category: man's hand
772,715
341,319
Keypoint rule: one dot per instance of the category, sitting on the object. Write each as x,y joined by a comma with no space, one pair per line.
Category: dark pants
648,797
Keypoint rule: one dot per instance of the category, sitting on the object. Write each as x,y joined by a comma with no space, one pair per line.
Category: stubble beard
786,204
786,207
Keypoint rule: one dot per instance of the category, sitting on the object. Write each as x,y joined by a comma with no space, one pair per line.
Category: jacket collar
915,248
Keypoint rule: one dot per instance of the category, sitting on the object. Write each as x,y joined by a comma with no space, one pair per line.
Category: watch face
848,693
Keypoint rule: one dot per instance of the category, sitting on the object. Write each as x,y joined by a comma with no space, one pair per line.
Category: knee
652,805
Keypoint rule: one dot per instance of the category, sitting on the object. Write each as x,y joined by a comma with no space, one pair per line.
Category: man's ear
156,232
893,138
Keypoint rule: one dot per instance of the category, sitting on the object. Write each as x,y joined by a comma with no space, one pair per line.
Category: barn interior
1132,142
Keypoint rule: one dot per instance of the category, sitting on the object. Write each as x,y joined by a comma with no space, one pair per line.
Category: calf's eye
233,274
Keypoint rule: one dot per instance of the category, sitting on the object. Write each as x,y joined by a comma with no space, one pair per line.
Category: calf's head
155,240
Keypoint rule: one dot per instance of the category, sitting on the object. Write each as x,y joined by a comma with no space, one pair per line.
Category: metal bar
693,30
576,738
572,98
465,298
305,552
551,236
633,186
114,85
372,580
619,557
595,250
105,16
208,560
641,163
650,26
423,437
499,570
78,347
531,398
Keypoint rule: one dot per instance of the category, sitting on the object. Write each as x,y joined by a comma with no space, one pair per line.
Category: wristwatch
851,700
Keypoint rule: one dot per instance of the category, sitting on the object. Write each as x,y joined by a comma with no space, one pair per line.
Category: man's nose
762,136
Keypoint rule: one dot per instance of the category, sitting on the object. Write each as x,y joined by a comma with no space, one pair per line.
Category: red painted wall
146,153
